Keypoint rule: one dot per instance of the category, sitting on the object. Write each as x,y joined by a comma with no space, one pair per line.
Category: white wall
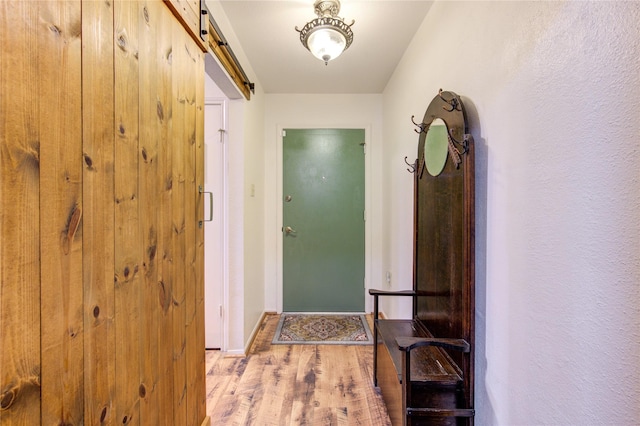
319,111
246,206
552,91
254,204
246,212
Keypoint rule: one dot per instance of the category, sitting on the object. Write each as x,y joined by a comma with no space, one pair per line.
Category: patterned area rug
322,329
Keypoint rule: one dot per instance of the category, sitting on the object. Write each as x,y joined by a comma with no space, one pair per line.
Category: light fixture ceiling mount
327,36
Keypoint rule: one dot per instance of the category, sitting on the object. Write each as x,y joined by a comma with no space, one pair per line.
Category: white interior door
214,231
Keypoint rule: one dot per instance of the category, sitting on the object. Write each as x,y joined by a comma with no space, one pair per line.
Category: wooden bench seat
428,364
435,395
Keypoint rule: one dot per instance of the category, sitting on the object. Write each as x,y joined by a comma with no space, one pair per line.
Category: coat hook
412,167
464,144
453,102
421,126
455,152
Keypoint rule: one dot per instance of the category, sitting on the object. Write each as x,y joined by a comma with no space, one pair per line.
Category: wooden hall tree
101,255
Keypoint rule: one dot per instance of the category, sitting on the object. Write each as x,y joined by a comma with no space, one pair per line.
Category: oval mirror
436,147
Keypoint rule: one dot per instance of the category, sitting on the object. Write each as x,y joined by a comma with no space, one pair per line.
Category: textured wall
552,92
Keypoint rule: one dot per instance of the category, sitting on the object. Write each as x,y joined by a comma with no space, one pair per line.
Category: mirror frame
448,107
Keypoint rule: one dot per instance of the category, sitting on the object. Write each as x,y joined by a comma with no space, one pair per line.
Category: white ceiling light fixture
327,36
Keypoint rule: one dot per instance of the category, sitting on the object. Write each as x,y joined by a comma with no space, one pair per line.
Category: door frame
368,304
224,327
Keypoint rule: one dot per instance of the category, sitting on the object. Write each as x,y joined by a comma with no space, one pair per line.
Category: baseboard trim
239,353
254,333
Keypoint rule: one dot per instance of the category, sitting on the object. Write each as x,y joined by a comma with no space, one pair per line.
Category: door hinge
220,311
222,132
284,133
364,215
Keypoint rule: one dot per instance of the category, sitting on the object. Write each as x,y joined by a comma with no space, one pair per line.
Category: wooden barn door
101,255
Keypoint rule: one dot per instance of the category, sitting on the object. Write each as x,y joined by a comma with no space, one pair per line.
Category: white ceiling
266,31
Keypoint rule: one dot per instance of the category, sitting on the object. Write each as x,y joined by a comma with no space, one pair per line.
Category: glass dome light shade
327,36
326,43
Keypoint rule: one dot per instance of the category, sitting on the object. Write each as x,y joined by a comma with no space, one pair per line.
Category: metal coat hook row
453,102
421,126
412,167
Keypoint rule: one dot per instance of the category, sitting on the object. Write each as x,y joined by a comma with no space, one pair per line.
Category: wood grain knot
151,252
7,399
55,29
160,110
73,222
103,415
88,161
122,41
145,156
162,296
96,311
124,420
310,377
142,390
24,386
145,12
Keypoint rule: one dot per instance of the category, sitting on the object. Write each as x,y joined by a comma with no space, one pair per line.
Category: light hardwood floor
294,385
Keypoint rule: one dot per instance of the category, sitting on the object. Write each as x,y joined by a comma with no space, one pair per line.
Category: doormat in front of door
322,329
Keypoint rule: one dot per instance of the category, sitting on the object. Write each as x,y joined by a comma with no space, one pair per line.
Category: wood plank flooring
294,384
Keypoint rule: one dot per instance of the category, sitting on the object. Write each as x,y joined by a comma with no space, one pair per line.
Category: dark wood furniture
424,365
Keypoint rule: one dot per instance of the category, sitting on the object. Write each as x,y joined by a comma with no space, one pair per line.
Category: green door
323,220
